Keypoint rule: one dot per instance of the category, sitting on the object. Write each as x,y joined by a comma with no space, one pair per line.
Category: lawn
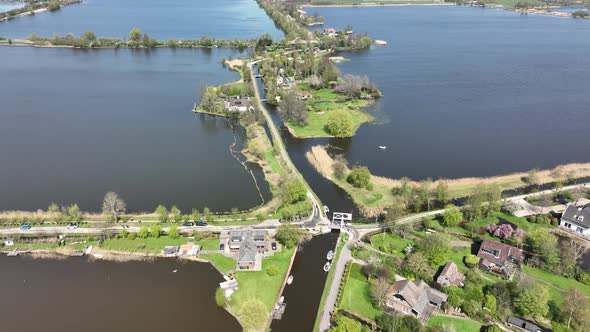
259,285
223,263
457,256
149,246
556,283
357,296
518,221
209,244
390,243
463,325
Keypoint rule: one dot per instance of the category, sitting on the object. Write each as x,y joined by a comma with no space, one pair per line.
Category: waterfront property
499,258
576,219
415,298
450,276
238,104
248,247
522,325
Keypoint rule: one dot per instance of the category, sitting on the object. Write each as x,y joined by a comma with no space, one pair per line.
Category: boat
382,147
327,267
281,300
290,280
330,255
326,209
174,271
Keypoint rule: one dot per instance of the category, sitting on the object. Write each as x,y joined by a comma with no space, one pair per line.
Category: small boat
330,255
281,300
174,271
327,267
290,280
326,209
382,147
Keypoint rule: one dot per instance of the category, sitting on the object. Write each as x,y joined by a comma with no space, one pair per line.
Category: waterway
77,295
75,124
6,6
468,91
177,19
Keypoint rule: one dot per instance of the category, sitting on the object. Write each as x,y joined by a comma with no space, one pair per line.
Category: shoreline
380,5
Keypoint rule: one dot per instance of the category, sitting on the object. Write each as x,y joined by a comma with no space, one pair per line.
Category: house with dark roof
576,219
515,322
499,258
247,254
414,298
450,276
237,104
235,239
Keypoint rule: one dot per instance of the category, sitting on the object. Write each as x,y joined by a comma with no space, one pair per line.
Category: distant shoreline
381,5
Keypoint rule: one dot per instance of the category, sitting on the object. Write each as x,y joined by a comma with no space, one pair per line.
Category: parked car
25,227
188,224
72,226
201,223
221,246
124,226
273,246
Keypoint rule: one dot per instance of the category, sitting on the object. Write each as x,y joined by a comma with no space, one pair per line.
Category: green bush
132,236
272,270
359,177
220,298
471,261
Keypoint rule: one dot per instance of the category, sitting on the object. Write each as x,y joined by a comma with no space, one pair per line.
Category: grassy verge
329,279
356,297
555,283
223,263
463,325
259,284
209,244
147,246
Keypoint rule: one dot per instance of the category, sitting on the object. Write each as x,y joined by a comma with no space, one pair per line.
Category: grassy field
259,285
357,297
555,283
223,263
390,243
148,246
209,244
323,102
366,2
463,325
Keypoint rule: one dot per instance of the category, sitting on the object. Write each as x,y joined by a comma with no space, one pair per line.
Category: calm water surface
75,295
182,19
75,124
469,91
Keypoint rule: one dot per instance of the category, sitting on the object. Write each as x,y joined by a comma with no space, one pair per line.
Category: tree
340,124
423,194
328,71
359,177
173,232
339,170
53,5
113,206
493,328
532,301
489,303
345,324
72,213
293,191
288,235
379,289
404,190
397,323
293,109
532,178
253,315
417,264
575,307
436,248
452,216
176,214
143,232
195,215
571,251
394,212
135,35
471,260
473,205
162,213
89,36
543,245
442,192
155,231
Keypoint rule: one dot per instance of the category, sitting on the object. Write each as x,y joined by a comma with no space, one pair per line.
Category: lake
77,123
178,19
77,295
6,6
468,91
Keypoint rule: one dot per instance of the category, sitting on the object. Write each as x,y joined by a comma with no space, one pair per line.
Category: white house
8,242
576,219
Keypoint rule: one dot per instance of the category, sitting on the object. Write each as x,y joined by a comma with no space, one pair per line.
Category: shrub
272,270
132,236
155,231
359,177
173,232
144,232
580,14
220,298
471,261
123,233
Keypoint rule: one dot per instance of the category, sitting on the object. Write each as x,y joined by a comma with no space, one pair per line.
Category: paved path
330,303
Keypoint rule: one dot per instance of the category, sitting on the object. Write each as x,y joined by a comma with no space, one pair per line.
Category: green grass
512,3
328,284
273,162
390,243
457,257
462,325
32,246
209,244
148,246
370,2
558,282
518,221
223,263
357,296
259,285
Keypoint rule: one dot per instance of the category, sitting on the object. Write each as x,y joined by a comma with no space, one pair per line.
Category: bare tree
575,306
577,248
113,205
379,290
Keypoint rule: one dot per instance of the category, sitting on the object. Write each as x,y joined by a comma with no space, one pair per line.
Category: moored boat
290,280
330,255
327,267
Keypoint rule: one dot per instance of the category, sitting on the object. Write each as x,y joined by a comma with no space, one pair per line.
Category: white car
72,226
